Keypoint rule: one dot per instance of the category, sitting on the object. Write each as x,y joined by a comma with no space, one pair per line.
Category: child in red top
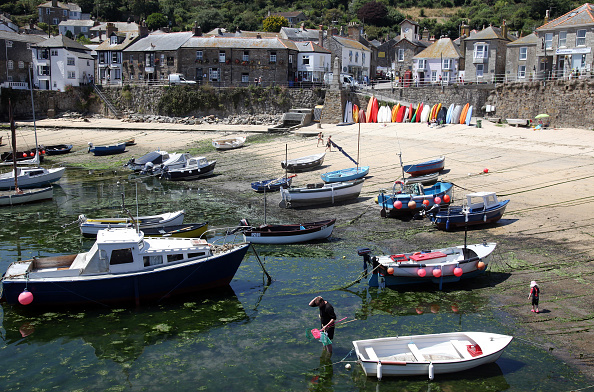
534,294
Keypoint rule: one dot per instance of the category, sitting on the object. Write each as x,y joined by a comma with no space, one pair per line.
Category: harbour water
249,337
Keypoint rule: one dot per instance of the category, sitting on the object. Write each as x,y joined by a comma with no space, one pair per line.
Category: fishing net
325,339
316,334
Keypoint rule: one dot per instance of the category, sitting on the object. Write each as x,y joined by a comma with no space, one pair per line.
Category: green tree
274,23
373,13
69,34
156,20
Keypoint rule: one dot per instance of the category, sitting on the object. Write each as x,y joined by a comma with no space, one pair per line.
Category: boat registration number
255,235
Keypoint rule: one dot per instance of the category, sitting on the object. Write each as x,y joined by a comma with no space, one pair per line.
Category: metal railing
108,103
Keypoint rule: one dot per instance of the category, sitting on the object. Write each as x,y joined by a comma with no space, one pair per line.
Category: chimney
143,31
196,30
333,31
354,31
432,39
321,36
55,3
302,26
110,29
258,36
504,29
465,30
547,16
425,35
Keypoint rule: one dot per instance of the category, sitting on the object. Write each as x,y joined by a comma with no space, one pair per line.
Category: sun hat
533,283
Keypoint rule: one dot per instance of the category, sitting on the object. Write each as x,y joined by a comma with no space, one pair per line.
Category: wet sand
546,233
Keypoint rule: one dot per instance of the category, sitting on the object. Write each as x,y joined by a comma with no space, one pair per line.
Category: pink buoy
398,204
421,272
26,297
436,272
485,170
412,205
437,200
446,198
426,203
458,271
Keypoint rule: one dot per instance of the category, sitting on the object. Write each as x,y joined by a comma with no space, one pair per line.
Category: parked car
179,79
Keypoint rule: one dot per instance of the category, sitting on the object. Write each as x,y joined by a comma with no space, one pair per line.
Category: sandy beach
546,234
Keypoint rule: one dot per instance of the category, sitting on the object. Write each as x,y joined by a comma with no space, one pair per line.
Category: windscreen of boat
469,253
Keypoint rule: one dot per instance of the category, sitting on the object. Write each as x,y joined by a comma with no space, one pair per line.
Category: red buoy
446,198
24,155
437,272
426,203
26,297
437,200
398,204
391,271
485,170
421,272
458,271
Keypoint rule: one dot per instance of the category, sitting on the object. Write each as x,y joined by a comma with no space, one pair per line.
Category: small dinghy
419,355
58,149
321,193
195,168
419,169
188,230
287,234
107,150
229,143
90,227
272,185
304,163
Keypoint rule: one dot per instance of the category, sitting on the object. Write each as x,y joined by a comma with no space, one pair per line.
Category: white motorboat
320,193
90,227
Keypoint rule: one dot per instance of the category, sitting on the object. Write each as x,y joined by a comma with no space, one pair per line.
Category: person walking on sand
320,139
329,144
327,318
534,294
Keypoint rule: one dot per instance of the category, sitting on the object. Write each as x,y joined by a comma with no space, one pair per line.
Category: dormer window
113,40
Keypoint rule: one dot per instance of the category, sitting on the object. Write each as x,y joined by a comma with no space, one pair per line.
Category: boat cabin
481,200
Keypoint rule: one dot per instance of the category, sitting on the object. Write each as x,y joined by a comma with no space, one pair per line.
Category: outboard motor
244,222
366,253
148,168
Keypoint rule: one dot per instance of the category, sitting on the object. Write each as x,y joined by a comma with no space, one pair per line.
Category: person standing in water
327,318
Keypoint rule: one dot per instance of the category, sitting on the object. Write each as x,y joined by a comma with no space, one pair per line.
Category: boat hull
228,144
91,228
190,173
272,185
108,150
428,167
329,193
202,274
455,217
350,174
189,230
59,149
304,163
290,234
28,196
34,179
439,189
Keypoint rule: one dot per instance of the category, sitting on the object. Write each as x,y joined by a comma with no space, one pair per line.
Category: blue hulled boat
272,185
399,201
480,208
349,174
123,267
107,150
432,166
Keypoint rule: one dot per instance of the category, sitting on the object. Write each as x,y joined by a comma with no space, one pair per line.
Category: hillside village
127,52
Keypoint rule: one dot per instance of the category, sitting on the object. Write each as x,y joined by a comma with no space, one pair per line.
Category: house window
85,29
131,58
305,60
350,55
65,13
42,54
10,64
43,70
221,56
9,78
479,70
434,76
56,21
422,63
213,74
580,38
363,58
115,57
102,57
21,64
549,41
562,39
48,11
117,73
273,57
246,56
481,51
170,61
54,52
245,78
198,55
357,57
523,53
70,61
71,75
400,55
521,72
290,59
9,44
447,64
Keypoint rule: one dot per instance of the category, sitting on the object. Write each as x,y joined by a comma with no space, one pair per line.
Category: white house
355,58
76,27
312,62
59,62
438,63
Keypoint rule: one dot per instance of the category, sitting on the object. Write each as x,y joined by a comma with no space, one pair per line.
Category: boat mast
13,135
34,126
358,142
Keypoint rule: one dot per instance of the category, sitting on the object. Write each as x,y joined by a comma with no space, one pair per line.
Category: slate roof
129,39
490,32
222,32
442,48
61,41
160,41
30,38
67,6
122,27
530,39
297,34
415,42
350,43
581,16
239,43
78,22
310,47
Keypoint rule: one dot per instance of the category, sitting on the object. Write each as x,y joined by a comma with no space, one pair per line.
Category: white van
179,79
346,80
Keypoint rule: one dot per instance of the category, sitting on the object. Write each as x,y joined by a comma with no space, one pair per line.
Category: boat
123,266
320,193
437,266
90,227
272,185
349,174
410,198
31,177
173,161
424,179
195,167
18,196
26,157
130,142
304,163
57,149
229,143
419,355
431,166
480,208
154,157
107,150
287,234
187,230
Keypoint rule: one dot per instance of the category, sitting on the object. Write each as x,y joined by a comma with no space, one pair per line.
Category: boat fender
379,370
431,371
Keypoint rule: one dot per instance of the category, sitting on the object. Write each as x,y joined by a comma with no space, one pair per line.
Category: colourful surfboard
449,114
436,111
374,110
462,118
400,115
355,113
410,112
368,110
361,115
468,115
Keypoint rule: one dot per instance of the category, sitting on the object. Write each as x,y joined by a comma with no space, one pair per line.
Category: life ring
401,186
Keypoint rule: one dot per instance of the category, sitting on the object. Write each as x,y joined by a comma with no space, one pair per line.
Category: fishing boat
320,193
419,355
304,163
432,166
349,174
272,185
57,149
32,156
174,161
188,230
287,234
481,208
107,150
438,266
229,143
410,198
194,168
90,227
123,266
154,157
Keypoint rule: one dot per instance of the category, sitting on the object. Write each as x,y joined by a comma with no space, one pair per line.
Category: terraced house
15,58
53,12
